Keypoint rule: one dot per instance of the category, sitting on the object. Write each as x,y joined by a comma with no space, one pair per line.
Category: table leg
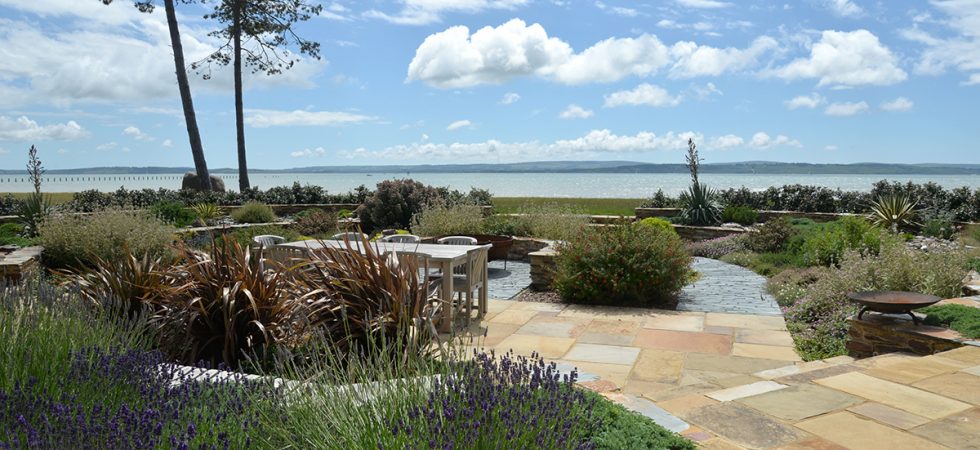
448,310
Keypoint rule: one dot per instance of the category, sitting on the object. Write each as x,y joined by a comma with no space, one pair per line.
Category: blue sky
444,81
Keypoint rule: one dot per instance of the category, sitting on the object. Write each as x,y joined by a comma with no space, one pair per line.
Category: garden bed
877,334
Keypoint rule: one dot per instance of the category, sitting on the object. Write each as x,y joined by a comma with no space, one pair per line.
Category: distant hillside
748,167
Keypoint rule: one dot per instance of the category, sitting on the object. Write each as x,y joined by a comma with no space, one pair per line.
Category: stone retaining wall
20,264
878,334
543,268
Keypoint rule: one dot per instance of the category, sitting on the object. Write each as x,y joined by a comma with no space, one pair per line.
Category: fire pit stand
892,302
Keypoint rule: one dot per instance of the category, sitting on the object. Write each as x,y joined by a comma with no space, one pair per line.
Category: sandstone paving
812,444
772,323
675,322
553,327
608,354
968,354
546,347
913,370
680,406
800,402
590,337
745,426
765,352
888,415
960,431
806,376
747,390
683,341
975,370
662,366
764,337
852,431
896,395
964,387
728,363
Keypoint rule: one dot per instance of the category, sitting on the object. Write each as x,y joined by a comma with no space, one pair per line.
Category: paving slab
969,354
975,370
792,369
888,415
621,327
650,411
812,444
960,431
744,426
675,322
752,322
916,401
724,287
512,316
554,327
961,386
856,432
726,363
682,341
660,392
806,376
616,373
608,354
590,337
747,390
800,402
546,347
913,370
765,352
661,366
722,379
764,337
682,405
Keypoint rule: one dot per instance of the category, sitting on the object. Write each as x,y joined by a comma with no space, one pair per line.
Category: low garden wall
878,334
20,263
764,215
543,267
692,233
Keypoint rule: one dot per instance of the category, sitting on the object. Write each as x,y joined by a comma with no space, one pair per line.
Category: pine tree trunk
193,133
243,183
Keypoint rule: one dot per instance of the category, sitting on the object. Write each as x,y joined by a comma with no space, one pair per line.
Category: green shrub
206,212
503,225
173,213
658,222
551,221
893,211
659,200
827,247
939,225
253,212
12,234
32,212
791,285
627,265
621,428
742,215
394,203
772,236
973,264
315,222
818,322
74,240
442,220
961,318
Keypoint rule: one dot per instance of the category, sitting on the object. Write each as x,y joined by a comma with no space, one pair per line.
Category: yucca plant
206,212
361,301
894,211
32,211
699,206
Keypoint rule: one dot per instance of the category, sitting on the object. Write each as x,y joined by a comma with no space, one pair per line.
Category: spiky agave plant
207,212
894,211
699,206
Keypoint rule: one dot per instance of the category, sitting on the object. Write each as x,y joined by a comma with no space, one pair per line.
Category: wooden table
446,257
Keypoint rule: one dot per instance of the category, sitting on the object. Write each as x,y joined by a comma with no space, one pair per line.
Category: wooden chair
282,256
352,236
268,240
457,240
475,278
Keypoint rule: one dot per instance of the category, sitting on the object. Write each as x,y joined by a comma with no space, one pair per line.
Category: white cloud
845,8
805,101
725,142
265,118
706,4
576,112
135,133
846,108
454,58
961,50
617,10
692,60
510,97
846,58
830,148
459,124
900,104
167,143
308,153
24,129
709,89
97,53
107,147
763,141
644,94
426,12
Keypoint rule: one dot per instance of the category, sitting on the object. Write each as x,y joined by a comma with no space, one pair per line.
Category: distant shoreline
552,167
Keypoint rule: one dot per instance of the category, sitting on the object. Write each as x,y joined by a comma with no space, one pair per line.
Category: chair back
353,236
476,266
268,240
457,240
405,238
280,255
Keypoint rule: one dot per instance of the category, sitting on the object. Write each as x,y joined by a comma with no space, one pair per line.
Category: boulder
191,181
971,283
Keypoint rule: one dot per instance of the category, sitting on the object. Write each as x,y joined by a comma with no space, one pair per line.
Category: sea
595,185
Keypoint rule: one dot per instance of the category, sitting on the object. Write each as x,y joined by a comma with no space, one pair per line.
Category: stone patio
733,380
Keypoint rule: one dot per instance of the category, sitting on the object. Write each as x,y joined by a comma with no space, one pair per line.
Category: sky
496,81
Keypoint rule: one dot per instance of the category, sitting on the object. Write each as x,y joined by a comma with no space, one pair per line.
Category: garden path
727,288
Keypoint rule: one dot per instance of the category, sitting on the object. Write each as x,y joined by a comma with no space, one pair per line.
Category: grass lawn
594,206
56,198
